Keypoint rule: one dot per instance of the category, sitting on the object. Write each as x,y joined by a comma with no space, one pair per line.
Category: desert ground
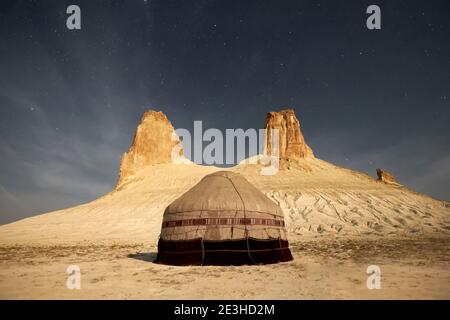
321,269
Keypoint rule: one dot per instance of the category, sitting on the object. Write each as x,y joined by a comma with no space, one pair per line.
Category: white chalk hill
318,199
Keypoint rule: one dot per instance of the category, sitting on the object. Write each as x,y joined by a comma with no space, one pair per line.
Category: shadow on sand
144,256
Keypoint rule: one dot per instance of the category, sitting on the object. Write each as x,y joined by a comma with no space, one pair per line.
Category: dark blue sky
71,100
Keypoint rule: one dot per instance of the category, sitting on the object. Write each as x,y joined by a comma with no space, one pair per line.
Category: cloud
11,205
422,165
49,164
434,179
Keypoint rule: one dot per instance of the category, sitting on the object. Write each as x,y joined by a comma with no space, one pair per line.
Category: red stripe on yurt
222,221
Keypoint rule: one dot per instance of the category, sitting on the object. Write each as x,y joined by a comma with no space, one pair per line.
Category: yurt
223,220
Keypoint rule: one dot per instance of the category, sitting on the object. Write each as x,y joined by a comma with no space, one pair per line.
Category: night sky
70,100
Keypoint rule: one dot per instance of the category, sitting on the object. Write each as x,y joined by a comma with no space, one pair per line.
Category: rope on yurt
281,247
245,230
203,250
201,239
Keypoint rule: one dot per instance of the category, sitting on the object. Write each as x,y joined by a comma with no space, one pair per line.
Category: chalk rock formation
292,144
385,176
153,143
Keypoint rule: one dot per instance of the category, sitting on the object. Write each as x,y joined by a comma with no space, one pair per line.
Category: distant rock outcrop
153,143
385,176
291,141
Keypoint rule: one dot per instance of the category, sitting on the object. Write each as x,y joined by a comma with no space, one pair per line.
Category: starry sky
70,100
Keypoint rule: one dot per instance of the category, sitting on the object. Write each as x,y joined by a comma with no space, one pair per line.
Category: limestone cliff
292,144
153,143
385,176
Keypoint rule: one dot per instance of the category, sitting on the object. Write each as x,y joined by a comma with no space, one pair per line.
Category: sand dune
317,198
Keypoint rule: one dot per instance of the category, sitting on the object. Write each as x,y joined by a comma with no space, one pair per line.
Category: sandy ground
322,269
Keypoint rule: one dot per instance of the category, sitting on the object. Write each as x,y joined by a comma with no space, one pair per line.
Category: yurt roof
224,191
